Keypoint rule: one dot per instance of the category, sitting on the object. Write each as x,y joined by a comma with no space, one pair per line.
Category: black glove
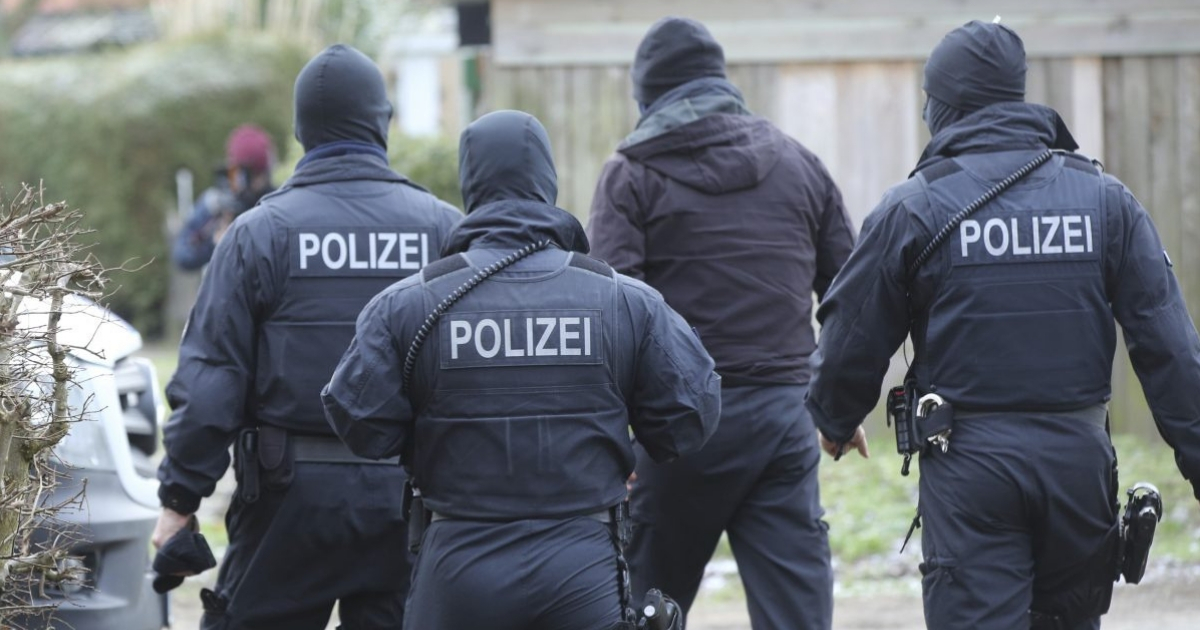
186,552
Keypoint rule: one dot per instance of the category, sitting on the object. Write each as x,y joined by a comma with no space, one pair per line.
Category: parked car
109,453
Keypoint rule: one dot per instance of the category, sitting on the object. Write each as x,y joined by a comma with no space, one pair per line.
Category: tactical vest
337,259
520,413
1018,316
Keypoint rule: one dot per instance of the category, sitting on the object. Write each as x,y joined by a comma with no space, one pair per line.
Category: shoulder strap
974,206
587,263
431,320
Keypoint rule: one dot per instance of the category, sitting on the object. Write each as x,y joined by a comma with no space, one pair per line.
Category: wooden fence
1140,115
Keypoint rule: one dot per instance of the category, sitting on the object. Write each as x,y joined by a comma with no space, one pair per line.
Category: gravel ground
1166,600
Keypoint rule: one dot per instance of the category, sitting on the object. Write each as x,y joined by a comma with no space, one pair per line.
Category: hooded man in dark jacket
1012,321
307,528
512,411
737,225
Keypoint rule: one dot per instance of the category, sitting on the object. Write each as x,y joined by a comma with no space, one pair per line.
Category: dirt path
1166,601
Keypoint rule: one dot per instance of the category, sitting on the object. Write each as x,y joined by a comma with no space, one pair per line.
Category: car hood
93,333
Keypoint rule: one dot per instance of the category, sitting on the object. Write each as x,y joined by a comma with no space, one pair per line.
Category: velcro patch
511,338
360,251
1033,236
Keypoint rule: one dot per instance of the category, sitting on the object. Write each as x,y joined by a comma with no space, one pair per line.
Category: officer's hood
1000,127
701,135
509,187
341,97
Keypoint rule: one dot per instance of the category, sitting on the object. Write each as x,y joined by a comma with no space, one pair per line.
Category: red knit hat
249,147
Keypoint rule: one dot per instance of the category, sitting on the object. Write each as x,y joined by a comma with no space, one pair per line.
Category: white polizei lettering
1037,242
1018,249
495,328
1087,229
333,237
968,232
564,335
389,243
1070,234
987,236
310,244
371,252
407,250
587,336
1047,248
542,350
460,333
509,351
355,263
424,250
529,336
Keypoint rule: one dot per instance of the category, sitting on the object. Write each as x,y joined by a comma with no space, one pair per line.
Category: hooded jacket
735,223
276,308
524,391
999,323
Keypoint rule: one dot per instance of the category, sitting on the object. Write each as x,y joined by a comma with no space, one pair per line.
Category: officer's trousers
757,480
519,575
336,535
1018,515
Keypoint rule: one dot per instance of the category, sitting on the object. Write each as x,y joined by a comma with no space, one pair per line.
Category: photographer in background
244,179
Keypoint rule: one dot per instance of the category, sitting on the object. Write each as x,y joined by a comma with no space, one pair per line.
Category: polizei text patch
359,251
496,339
1031,236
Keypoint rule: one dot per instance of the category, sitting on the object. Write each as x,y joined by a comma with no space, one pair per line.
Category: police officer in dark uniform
1012,321
515,420
276,309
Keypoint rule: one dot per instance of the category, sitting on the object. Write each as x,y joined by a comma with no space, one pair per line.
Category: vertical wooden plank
1187,265
1164,154
1112,78
581,177
807,107
1087,109
1037,81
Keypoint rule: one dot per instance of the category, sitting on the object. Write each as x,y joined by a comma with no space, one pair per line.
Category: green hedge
430,162
108,132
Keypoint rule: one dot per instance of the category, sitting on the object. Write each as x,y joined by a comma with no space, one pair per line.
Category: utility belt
925,423
419,518
265,458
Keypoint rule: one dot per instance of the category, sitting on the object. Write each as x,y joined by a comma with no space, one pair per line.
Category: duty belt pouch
275,458
939,421
418,517
245,465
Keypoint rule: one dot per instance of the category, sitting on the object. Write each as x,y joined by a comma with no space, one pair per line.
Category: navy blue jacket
523,394
278,303
1015,311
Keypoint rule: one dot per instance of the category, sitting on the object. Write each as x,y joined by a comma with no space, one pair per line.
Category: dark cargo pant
336,534
1018,515
757,480
520,575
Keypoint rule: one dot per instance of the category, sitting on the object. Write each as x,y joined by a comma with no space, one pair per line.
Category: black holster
418,517
263,460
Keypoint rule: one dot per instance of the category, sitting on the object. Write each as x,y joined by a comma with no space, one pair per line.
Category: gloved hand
185,553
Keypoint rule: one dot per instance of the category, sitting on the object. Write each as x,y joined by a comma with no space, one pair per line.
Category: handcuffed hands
858,442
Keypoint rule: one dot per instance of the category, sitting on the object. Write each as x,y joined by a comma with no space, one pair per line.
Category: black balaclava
673,52
506,156
975,65
340,96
